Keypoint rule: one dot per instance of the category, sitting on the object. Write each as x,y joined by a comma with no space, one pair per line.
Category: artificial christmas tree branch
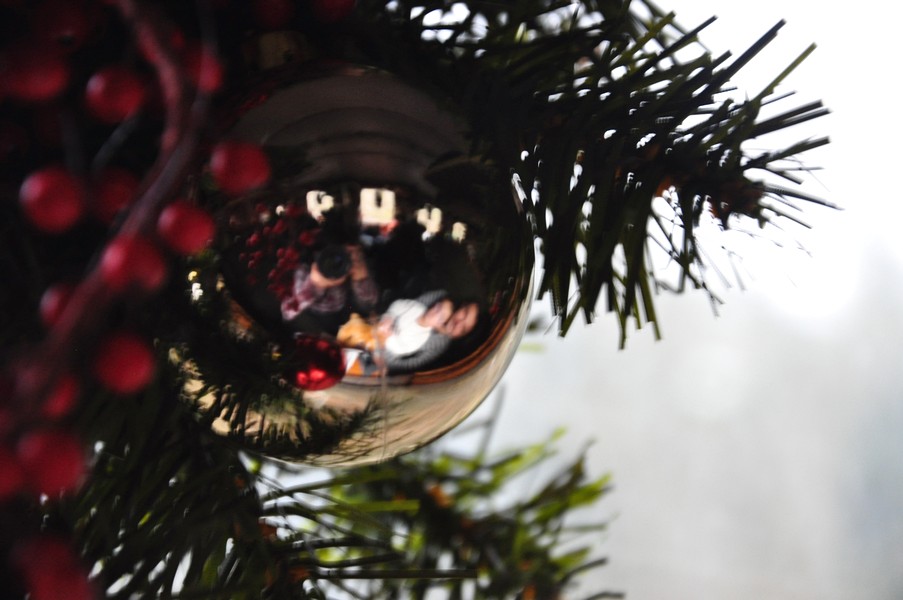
595,112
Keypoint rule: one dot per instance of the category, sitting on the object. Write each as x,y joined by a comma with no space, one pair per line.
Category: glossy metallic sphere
381,240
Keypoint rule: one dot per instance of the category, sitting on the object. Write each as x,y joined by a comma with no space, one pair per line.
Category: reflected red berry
124,363
52,198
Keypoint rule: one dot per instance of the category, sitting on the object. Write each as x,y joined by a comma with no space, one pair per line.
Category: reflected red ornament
318,363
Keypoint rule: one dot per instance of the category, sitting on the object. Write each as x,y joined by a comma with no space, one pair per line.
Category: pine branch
595,111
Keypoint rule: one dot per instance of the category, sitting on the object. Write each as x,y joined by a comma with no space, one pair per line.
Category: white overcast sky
759,453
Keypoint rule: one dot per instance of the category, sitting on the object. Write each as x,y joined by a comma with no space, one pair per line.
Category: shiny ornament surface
379,237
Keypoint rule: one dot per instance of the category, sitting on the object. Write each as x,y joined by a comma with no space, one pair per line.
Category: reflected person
410,333
444,322
324,293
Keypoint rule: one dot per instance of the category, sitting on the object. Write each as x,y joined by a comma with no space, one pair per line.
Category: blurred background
757,449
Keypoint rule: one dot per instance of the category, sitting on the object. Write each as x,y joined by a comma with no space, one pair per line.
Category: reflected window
459,231
319,202
377,206
431,219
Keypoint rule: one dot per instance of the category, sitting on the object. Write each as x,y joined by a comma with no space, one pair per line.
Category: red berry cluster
77,79
45,461
277,244
69,101
50,70
48,75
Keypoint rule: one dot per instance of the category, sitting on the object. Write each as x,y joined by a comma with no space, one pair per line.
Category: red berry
58,399
203,67
273,14
51,569
332,11
239,167
53,303
12,476
52,198
114,94
115,190
124,363
132,260
34,73
70,584
54,461
186,228
62,397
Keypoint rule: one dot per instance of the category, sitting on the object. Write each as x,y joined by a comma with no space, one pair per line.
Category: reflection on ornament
318,363
379,283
